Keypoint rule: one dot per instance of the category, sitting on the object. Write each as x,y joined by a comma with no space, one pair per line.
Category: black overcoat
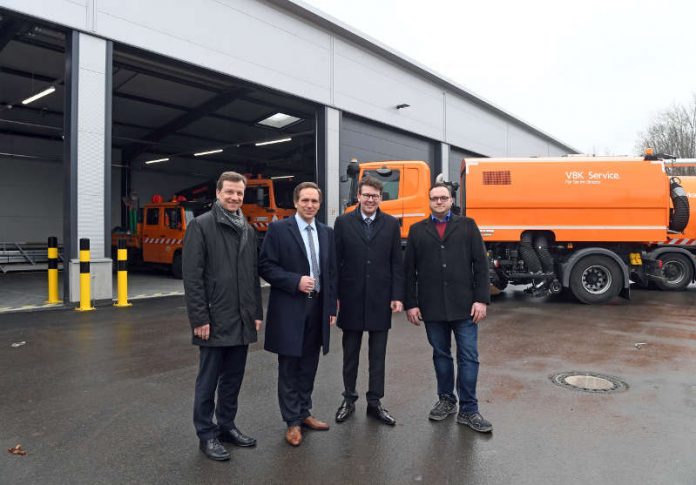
282,262
221,280
444,277
370,271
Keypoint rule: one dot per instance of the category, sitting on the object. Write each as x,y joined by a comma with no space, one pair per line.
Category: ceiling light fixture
279,120
209,152
271,142
43,93
157,161
282,177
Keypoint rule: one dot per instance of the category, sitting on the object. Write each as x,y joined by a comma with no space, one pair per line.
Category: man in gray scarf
223,300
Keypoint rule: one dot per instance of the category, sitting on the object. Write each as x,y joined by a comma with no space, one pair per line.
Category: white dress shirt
301,224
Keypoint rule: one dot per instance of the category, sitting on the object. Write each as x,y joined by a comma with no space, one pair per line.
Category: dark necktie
368,227
313,258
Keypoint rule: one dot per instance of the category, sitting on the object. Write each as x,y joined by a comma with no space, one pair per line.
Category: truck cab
159,236
267,200
405,193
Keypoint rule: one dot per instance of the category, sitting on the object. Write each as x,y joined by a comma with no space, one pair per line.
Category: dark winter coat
221,280
444,277
370,272
282,262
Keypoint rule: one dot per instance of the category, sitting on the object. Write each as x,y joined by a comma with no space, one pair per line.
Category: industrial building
109,102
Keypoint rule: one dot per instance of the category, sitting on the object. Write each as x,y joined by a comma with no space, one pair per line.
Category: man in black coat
370,289
223,300
298,260
447,285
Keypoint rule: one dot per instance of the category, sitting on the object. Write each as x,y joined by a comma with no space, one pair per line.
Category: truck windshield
256,195
390,181
193,210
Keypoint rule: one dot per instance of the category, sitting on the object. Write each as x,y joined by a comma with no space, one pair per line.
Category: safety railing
25,256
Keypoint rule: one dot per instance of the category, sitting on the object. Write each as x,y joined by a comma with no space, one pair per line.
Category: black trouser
352,340
296,374
221,369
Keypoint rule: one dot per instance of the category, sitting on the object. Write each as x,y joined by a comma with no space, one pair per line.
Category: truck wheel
176,267
596,279
677,270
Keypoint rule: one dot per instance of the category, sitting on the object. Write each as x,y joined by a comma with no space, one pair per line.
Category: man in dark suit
370,289
298,260
447,285
223,301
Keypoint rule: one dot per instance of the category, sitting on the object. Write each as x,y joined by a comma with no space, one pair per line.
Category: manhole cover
589,382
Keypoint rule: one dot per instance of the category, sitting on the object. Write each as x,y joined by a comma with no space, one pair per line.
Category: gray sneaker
443,408
476,422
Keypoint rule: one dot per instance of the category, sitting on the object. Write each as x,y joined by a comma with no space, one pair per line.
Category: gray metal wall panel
369,86
456,156
521,144
31,197
71,13
244,38
369,142
474,128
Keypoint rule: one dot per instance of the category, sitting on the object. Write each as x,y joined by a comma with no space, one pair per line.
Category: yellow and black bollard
122,272
53,270
85,281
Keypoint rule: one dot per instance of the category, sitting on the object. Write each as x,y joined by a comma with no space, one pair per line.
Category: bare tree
672,132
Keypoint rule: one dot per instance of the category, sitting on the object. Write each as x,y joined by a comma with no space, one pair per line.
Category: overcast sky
591,73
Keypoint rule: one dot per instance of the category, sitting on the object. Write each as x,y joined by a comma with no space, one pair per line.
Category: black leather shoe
214,450
236,437
382,414
344,411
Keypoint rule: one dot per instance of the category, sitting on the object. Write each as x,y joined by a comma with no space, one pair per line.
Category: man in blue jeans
447,283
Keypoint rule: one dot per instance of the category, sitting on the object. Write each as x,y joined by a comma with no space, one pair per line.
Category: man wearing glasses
370,289
447,287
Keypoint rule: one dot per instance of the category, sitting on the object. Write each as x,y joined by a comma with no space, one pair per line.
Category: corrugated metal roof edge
316,16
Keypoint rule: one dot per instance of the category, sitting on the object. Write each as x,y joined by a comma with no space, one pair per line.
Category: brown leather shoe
293,435
313,423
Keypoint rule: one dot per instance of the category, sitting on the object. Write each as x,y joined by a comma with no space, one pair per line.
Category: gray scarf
237,220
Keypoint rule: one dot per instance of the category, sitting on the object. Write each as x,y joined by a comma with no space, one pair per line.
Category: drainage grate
589,382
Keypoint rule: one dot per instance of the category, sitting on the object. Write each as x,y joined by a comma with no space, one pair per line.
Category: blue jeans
466,336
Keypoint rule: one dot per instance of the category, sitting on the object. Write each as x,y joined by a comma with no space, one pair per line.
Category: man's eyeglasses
371,196
441,198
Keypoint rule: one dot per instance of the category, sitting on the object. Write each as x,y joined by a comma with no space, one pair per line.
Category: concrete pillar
88,81
444,153
333,176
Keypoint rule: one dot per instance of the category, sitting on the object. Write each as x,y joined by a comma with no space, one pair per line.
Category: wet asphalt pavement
106,397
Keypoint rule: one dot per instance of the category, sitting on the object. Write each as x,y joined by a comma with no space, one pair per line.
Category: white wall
272,46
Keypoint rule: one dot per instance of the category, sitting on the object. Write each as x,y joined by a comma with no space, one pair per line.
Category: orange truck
160,231
586,224
265,199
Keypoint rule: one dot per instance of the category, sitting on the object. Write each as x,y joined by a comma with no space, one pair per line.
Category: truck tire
596,279
677,270
177,271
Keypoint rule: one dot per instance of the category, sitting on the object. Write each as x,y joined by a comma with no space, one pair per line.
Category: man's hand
202,332
306,284
258,324
396,306
414,316
332,320
478,311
